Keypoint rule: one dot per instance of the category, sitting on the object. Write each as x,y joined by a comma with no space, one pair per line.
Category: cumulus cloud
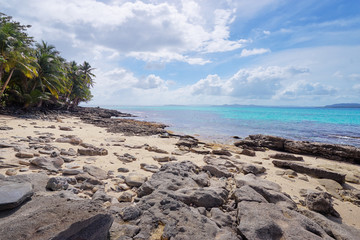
305,89
151,82
150,31
255,51
259,83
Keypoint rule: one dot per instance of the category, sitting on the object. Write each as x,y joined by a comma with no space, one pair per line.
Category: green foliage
39,75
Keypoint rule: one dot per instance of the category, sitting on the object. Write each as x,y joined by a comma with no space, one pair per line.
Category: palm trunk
7,82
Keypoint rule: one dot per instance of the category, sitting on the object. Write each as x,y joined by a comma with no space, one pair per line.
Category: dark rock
85,177
92,151
248,152
14,194
269,221
321,202
5,128
135,179
202,179
329,151
333,229
222,152
164,159
63,128
70,152
312,171
71,171
207,197
51,164
126,158
187,142
57,184
252,168
95,172
284,156
217,171
156,149
70,139
24,155
222,219
149,167
130,213
100,195
256,182
246,193
123,170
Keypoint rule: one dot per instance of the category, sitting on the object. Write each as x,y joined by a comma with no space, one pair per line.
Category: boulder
246,193
222,152
57,184
14,194
252,168
269,221
149,167
284,156
156,149
64,128
321,202
126,158
312,171
69,139
135,179
24,155
92,151
50,164
95,172
217,171
248,152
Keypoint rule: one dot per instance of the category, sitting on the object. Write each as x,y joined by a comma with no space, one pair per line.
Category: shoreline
120,148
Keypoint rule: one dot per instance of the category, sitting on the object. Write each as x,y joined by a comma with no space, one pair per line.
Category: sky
263,52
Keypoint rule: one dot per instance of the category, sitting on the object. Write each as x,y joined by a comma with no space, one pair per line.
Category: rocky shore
92,173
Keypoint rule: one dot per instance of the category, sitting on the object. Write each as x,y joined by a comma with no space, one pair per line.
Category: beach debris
156,149
284,156
312,171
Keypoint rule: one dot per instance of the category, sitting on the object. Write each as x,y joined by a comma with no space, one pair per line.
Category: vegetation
35,75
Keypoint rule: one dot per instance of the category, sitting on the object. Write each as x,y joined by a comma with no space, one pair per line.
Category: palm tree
15,51
51,71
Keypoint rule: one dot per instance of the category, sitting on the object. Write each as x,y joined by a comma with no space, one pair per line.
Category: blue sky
267,52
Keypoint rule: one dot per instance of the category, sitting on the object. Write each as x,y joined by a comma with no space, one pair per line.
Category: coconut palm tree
15,51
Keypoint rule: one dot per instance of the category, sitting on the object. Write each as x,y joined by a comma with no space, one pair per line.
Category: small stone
11,172
57,183
24,155
63,128
164,159
248,152
149,167
156,149
23,170
125,197
135,179
123,170
24,162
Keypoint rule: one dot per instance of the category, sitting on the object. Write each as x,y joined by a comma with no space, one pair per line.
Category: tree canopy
35,75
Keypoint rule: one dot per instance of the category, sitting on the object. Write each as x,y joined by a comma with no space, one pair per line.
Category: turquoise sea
220,123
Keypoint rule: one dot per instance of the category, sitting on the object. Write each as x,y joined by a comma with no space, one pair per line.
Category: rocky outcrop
329,151
13,194
312,171
50,164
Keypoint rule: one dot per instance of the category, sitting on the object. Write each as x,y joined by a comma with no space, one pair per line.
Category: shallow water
330,125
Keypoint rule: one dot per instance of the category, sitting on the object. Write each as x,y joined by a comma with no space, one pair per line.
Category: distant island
344,105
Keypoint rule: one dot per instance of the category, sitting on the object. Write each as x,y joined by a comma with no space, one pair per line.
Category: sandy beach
141,150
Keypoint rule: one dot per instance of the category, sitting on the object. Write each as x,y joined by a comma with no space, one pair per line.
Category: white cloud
150,31
255,51
151,82
301,89
255,83
266,32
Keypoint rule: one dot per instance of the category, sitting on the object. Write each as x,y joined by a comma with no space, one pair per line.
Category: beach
141,154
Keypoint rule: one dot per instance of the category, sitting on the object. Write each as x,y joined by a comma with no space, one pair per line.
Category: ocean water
220,123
